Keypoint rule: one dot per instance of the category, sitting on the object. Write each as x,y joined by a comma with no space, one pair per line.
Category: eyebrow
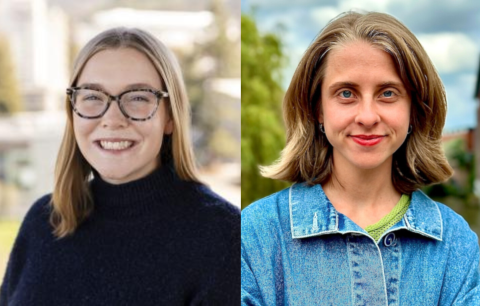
352,84
129,87
342,84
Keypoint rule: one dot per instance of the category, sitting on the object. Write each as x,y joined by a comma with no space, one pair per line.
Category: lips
367,140
116,145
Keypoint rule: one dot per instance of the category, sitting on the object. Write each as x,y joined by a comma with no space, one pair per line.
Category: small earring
410,128
322,129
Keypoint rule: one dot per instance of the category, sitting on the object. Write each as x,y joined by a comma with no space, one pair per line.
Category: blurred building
38,36
466,140
477,136
468,137
225,96
28,148
39,40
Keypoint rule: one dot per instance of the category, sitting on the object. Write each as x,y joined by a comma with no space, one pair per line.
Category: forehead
116,69
360,62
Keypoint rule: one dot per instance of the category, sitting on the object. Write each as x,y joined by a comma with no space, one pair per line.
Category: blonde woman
129,222
364,115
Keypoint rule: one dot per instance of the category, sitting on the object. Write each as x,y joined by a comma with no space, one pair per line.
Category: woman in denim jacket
364,115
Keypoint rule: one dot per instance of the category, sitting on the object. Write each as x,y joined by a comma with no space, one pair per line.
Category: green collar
395,215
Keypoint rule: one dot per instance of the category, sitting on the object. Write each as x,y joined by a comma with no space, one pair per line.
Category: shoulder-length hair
307,156
71,199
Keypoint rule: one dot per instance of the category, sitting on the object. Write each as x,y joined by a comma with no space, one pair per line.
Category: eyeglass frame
160,94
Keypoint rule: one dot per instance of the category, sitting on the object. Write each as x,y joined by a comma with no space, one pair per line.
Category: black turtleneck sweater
154,241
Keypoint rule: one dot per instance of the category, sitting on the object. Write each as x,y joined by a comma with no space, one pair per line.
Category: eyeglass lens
136,104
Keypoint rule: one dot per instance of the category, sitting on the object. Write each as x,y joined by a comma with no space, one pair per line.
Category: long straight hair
308,156
72,200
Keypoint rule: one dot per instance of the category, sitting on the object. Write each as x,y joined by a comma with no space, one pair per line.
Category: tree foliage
10,101
263,134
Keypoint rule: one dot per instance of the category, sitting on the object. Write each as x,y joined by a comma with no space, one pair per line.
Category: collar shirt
298,250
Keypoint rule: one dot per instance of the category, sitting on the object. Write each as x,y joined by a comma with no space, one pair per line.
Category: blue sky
448,30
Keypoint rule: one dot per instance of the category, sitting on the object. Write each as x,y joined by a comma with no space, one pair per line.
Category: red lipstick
367,140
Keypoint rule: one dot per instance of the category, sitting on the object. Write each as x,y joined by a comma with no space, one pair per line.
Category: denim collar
312,214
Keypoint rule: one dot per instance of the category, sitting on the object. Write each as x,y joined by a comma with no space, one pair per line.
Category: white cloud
450,52
290,20
275,4
324,14
367,5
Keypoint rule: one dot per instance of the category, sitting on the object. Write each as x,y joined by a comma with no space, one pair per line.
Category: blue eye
388,93
346,94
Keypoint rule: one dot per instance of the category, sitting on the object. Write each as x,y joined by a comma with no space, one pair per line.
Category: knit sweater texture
155,241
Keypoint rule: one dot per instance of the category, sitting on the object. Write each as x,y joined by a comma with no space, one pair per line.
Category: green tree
263,134
9,95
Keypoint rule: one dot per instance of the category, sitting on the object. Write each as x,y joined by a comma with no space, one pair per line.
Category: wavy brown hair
307,156
71,200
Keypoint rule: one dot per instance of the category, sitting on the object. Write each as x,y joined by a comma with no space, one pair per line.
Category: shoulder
267,207
37,217
213,216
211,202
455,228
462,255
266,215
34,230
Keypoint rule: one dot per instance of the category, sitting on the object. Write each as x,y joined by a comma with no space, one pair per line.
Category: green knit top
376,230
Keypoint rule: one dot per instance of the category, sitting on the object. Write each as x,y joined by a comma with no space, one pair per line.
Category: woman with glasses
129,222
364,115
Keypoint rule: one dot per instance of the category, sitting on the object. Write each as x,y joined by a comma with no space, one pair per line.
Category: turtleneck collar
136,198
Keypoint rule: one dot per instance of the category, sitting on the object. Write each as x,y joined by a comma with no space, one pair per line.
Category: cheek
401,117
336,117
82,129
152,134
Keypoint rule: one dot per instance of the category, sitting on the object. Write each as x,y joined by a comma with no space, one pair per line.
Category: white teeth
115,145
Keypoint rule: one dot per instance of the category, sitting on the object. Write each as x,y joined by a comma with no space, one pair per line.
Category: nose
367,114
114,117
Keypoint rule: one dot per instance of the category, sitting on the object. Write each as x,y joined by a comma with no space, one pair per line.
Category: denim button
390,240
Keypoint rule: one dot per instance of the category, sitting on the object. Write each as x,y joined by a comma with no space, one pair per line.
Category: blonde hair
307,156
71,199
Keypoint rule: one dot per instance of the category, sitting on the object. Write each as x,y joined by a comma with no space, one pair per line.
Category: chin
368,164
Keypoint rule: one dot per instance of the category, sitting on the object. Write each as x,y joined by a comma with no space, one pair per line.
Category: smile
367,140
115,145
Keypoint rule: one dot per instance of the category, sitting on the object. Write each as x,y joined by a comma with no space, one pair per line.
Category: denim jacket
298,250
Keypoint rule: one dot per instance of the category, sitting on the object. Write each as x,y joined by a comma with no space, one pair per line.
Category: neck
136,199
364,195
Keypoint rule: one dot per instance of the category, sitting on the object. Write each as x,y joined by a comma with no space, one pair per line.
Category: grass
8,232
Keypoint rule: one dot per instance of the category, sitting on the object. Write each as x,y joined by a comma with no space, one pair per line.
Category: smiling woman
364,114
128,222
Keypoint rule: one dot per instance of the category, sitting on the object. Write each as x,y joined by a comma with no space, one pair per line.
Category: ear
320,118
168,127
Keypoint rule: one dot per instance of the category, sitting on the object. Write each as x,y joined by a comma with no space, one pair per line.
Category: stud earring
322,129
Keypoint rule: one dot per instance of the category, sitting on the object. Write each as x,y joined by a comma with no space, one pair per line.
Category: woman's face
119,149
366,108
